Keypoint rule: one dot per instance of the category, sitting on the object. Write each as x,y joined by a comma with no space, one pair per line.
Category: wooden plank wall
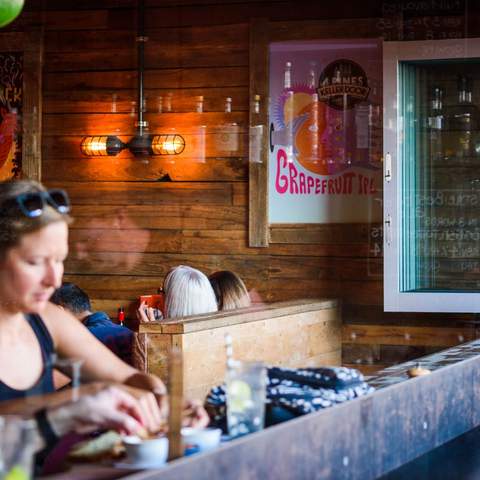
130,228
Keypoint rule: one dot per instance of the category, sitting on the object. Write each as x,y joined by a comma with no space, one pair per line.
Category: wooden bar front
361,439
295,334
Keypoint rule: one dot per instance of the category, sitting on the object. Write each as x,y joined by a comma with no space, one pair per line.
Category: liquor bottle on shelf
168,102
287,76
228,105
114,102
255,132
311,78
288,110
463,123
199,104
229,132
256,105
199,137
436,123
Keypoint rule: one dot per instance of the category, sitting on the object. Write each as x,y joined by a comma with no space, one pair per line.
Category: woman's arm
73,340
109,407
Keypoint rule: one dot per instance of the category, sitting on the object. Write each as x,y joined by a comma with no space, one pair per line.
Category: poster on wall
11,94
325,131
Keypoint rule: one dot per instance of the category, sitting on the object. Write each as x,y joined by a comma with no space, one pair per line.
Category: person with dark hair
117,338
230,291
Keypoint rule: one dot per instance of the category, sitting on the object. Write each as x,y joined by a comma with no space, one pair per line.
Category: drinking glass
72,368
245,387
17,445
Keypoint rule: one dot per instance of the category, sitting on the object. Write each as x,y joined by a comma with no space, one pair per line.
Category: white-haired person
187,292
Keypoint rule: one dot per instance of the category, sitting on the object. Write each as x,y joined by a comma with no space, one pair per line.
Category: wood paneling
219,76
292,334
121,123
120,100
407,335
130,228
124,169
148,193
373,347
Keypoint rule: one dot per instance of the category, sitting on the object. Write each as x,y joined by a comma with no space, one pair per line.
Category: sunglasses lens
59,200
31,204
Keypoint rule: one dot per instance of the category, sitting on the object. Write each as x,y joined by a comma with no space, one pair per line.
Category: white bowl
202,438
153,451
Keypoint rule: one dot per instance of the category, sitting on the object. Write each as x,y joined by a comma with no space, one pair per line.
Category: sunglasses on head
33,204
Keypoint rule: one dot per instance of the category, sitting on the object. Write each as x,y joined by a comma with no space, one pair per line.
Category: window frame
394,299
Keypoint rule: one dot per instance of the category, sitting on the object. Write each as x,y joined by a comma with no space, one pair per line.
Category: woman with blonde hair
230,290
33,247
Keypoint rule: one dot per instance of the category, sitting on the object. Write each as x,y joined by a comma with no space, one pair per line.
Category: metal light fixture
142,144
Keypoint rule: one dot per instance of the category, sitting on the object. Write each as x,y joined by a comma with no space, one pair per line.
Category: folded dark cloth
323,377
300,391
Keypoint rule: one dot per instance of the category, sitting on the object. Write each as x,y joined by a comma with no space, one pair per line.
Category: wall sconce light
139,145
142,144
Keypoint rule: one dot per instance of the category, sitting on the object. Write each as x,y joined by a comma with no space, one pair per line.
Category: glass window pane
440,197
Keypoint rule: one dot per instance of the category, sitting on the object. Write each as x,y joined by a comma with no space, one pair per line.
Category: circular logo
343,84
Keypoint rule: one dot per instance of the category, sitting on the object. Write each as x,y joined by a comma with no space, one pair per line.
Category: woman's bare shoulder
59,320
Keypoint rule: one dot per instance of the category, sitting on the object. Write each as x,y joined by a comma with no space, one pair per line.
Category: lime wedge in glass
239,396
17,473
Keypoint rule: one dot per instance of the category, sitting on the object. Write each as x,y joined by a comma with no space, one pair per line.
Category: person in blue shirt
117,338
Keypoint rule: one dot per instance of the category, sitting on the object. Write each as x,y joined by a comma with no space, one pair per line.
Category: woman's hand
147,314
157,400
194,415
112,408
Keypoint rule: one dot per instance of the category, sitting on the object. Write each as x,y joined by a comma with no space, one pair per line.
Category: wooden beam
32,104
406,335
258,171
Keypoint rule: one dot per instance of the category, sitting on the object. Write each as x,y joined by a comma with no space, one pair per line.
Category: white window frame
394,300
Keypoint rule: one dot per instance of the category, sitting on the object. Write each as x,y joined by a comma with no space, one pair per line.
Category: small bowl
203,439
153,451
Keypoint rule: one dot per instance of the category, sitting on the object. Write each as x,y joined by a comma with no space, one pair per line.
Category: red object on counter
121,316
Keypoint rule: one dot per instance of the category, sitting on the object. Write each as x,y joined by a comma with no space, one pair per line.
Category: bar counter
361,439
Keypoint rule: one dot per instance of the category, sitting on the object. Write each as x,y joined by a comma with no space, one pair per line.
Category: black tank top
45,382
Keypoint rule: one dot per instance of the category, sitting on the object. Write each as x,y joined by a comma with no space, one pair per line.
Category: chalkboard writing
423,20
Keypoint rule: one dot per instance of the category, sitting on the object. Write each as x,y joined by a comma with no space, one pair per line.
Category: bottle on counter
121,316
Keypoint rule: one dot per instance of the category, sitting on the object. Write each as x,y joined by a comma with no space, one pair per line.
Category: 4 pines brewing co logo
343,84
